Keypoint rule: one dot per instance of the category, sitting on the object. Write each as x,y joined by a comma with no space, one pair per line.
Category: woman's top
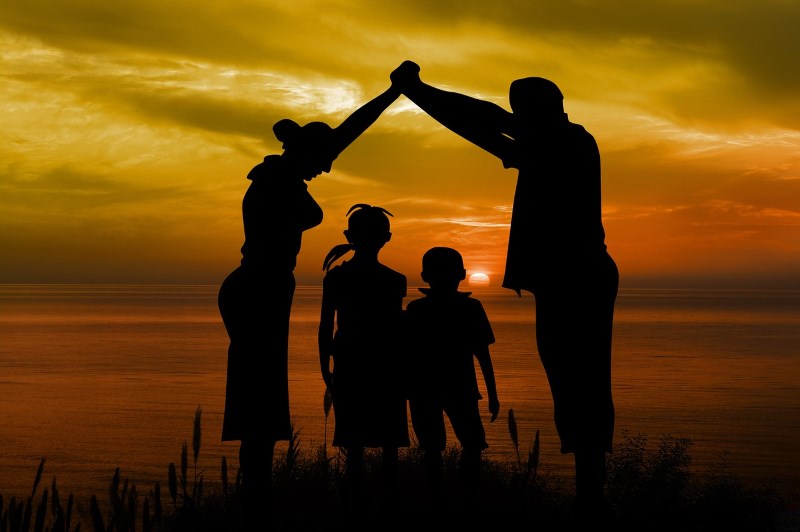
276,209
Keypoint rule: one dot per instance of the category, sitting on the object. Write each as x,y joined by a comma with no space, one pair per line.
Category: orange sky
128,128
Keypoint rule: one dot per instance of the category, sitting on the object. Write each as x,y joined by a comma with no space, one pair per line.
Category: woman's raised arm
363,117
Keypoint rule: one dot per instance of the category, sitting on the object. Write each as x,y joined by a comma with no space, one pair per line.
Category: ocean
95,377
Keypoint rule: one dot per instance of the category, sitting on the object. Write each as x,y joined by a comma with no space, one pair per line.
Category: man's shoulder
578,131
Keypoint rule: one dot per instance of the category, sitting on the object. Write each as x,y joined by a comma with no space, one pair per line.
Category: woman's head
309,149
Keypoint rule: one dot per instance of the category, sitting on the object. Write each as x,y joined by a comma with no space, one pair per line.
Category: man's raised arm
483,123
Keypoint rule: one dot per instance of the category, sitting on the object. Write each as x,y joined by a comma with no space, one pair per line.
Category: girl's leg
353,471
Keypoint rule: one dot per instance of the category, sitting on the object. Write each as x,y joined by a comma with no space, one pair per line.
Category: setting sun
478,279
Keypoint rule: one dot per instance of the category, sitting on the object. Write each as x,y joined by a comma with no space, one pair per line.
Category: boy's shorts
427,419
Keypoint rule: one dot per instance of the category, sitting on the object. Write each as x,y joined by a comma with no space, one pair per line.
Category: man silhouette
556,251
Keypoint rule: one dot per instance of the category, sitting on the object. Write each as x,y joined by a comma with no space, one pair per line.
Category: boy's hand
494,408
404,75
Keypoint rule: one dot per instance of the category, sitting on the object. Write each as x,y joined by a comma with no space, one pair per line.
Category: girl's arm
485,361
325,337
483,123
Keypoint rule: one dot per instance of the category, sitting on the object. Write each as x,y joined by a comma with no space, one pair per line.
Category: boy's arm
485,362
485,124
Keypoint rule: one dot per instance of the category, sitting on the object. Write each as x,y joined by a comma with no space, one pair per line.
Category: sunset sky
128,127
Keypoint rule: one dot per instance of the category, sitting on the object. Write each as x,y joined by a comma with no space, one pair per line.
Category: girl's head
309,149
368,224
368,229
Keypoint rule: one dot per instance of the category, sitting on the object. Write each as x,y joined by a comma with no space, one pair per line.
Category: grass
650,488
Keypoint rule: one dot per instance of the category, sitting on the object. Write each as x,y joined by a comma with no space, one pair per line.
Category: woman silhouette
255,300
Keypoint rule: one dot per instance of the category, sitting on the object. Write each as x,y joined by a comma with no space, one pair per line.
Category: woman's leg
255,461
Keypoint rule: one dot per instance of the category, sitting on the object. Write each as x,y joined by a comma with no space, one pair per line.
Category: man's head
536,99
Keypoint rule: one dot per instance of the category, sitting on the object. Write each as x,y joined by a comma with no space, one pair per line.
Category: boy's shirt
444,331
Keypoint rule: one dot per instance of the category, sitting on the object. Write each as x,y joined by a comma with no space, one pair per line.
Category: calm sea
98,377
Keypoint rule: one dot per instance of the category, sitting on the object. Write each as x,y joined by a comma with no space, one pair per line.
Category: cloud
141,119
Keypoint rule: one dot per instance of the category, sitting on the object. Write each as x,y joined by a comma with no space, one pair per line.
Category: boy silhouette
446,329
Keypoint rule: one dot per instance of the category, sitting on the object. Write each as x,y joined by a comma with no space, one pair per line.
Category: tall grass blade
132,501
15,513
58,521
512,430
68,517
124,494
224,476
293,451
157,504
146,527
196,436
113,488
184,466
41,512
173,484
26,518
327,402
38,478
533,456
97,518
55,501
199,491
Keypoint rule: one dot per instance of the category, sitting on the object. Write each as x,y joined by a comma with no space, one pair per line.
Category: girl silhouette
365,298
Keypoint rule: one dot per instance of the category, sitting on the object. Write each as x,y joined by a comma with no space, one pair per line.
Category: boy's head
442,265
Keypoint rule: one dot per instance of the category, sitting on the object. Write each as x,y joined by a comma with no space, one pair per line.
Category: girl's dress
369,401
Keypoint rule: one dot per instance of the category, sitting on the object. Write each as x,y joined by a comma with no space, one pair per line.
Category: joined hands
405,75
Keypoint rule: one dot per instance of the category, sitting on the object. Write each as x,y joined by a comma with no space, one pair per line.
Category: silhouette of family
381,361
